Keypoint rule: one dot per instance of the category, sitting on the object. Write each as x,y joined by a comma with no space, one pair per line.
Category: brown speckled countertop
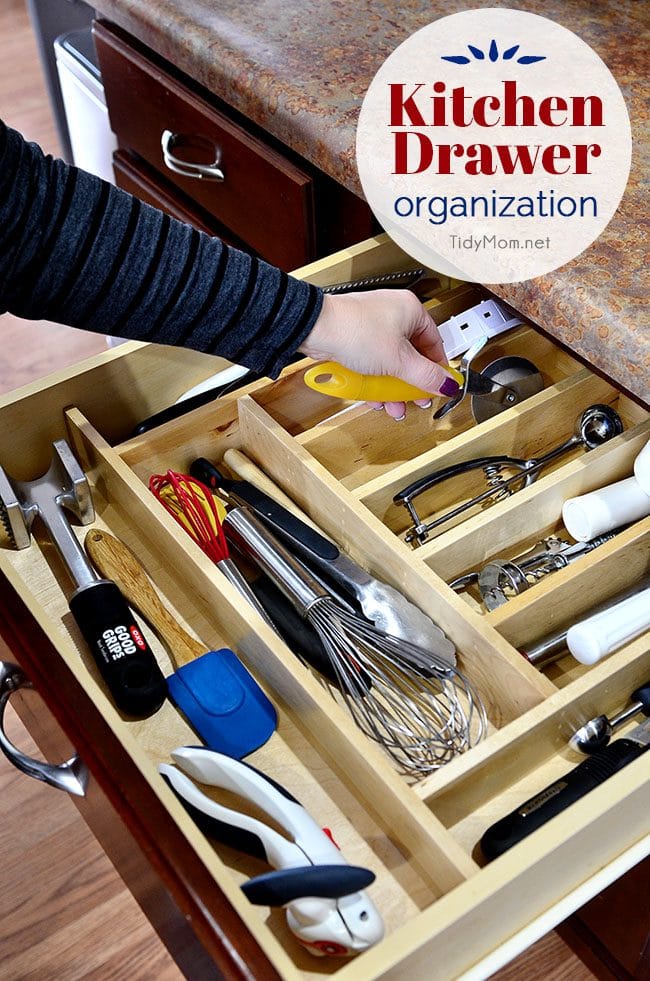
300,70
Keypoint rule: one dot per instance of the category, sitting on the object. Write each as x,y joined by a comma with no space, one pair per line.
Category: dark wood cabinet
185,152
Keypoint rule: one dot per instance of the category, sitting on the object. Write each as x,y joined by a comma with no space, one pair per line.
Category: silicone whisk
195,508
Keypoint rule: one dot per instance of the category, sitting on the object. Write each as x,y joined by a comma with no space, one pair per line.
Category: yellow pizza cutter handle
333,379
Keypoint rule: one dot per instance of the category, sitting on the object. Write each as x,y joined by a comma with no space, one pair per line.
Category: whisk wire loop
422,717
193,506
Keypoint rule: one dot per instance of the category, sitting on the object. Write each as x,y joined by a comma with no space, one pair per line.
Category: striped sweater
78,251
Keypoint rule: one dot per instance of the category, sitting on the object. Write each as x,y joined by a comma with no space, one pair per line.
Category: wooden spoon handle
116,561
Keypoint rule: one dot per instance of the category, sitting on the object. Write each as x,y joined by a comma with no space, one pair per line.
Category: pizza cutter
497,387
500,385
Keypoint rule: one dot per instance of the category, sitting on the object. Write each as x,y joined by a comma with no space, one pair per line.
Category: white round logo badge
494,145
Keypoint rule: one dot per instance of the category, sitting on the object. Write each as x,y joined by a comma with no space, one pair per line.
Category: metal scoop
593,427
595,734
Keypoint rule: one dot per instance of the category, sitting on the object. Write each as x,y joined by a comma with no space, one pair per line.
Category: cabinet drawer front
264,199
438,898
134,176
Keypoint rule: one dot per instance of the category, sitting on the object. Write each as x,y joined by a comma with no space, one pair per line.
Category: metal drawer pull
71,776
207,172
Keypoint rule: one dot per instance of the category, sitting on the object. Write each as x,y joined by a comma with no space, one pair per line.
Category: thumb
425,374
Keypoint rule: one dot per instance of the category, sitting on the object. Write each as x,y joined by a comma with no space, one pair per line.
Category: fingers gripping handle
125,661
334,379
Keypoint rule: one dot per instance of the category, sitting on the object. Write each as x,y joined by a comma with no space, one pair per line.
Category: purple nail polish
449,386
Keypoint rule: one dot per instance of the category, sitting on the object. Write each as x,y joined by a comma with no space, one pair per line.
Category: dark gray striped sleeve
78,251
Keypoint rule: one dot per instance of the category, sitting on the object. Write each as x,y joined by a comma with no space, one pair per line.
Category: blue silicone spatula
219,697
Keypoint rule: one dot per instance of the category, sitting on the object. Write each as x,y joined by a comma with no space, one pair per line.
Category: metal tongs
326,909
594,427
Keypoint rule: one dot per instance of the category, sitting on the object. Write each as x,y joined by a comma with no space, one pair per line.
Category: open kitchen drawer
446,912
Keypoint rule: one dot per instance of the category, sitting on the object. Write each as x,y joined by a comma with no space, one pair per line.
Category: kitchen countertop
300,71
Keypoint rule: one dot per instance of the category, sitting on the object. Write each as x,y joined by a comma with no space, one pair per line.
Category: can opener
327,911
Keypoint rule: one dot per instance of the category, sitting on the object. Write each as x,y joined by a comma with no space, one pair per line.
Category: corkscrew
594,427
501,579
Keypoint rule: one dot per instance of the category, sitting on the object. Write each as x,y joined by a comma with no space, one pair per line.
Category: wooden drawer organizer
439,904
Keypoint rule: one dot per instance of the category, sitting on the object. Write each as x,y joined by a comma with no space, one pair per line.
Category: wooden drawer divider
358,763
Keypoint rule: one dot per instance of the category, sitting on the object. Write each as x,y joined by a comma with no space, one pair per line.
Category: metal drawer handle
207,172
71,776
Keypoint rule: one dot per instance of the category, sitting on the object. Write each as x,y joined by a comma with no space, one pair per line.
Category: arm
76,250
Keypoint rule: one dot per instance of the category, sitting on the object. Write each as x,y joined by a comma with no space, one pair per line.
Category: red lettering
578,103
482,162
521,156
554,153
512,102
401,153
583,152
550,105
458,100
491,102
400,105
445,152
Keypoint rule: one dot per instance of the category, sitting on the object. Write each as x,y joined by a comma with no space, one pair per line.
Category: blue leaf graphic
493,55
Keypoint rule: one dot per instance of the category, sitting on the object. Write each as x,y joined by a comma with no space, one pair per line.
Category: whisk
423,713
194,508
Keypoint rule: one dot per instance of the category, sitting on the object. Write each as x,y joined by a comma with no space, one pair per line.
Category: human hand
382,332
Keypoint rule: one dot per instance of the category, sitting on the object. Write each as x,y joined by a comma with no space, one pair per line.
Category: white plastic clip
487,319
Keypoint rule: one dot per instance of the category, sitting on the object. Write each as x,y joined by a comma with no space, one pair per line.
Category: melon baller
593,427
125,660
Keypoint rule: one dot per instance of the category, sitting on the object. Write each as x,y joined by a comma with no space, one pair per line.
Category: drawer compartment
438,897
264,198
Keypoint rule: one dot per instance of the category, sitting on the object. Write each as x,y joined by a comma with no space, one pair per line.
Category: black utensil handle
296,632
202,398
242,839
455,470
285,885
126,662
276,516
554,799
194,402
642,696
